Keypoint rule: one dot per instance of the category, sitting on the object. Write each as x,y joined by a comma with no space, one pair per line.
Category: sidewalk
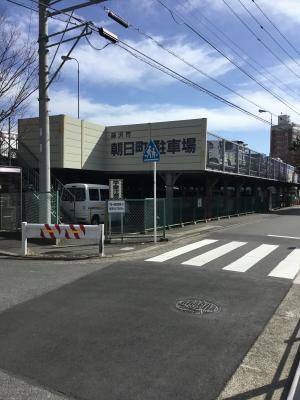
11,245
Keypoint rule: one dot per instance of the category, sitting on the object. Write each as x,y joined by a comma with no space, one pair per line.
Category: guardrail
62,231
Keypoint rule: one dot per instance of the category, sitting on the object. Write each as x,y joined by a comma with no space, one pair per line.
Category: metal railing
235,157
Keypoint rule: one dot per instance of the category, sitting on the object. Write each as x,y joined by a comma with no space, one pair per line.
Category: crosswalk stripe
248,260
181,250
204,258
288,267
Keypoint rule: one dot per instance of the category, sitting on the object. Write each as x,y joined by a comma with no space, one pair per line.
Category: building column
210,183
169,179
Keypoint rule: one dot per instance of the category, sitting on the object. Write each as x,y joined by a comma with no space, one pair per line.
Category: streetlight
66,58
266,111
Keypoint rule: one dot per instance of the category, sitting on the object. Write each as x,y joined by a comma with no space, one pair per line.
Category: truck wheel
95,220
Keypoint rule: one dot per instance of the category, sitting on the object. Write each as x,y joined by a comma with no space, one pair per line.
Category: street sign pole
154,199
151,154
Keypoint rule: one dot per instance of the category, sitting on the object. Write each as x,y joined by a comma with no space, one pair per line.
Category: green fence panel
33,201
10,211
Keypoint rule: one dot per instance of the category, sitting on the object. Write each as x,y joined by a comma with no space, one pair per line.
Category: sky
227,47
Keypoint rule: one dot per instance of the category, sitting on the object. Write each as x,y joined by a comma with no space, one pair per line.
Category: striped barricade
62,231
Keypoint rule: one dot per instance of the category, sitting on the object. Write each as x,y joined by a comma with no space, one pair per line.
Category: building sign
116,206
171,146
116,189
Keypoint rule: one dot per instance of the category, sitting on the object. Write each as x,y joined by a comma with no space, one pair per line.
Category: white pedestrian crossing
288,268
211,255
181,250
253,257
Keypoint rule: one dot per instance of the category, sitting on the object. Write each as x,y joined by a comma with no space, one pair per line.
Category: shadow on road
287,211
277,383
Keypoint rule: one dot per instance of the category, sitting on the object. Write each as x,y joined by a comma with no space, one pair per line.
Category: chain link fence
10,211
33,202
137,221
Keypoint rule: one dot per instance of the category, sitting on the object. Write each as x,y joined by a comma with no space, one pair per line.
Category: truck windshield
78,193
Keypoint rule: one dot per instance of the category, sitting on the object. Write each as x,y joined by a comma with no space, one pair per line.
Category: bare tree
18,71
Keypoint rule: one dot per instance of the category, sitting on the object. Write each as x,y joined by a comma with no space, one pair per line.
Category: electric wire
195,68
229,58
268,33
156,64
61,39
267,75
259,39
97,48
275,27
165,69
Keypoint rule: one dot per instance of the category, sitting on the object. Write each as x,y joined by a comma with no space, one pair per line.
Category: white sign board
116,206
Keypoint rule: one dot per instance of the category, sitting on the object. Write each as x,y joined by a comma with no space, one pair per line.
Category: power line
61,39
266,74
195,68
275,27
259,39
156,64
268,33
172,12
20,4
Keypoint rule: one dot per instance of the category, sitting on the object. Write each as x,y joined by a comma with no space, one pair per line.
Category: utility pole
44,82
9,142
44,159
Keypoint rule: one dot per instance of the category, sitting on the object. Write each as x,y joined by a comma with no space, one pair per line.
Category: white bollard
24,238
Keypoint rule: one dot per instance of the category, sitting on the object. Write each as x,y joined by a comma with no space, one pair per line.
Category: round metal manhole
197,306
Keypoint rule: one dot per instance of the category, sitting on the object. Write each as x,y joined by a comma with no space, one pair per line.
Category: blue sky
117,88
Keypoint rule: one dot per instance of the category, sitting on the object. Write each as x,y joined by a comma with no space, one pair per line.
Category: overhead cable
268,33
246,58
172,12
275,27
259,39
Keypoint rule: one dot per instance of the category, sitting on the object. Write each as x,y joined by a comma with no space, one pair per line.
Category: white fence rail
60,231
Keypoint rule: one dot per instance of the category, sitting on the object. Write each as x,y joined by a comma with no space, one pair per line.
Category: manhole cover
197,306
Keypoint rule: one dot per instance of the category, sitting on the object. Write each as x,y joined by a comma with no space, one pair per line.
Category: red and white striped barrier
60,231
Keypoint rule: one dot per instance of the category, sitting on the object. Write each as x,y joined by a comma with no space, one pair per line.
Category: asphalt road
116,333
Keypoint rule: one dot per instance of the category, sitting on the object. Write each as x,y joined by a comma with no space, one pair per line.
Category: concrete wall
29,135
79,144
93,143
74,143
71,143
182,146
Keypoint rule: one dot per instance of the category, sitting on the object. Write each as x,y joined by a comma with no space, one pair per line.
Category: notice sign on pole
116,189
116,206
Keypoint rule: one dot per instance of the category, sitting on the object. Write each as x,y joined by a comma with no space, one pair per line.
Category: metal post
101,240
154,199
44,159
78,88
9,142
24,239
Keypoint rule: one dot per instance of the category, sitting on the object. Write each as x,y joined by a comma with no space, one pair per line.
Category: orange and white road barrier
62,231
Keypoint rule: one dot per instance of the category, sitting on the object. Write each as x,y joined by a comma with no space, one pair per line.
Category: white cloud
223,118
277,10
114,66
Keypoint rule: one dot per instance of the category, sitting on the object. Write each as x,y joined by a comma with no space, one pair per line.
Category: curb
202,231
